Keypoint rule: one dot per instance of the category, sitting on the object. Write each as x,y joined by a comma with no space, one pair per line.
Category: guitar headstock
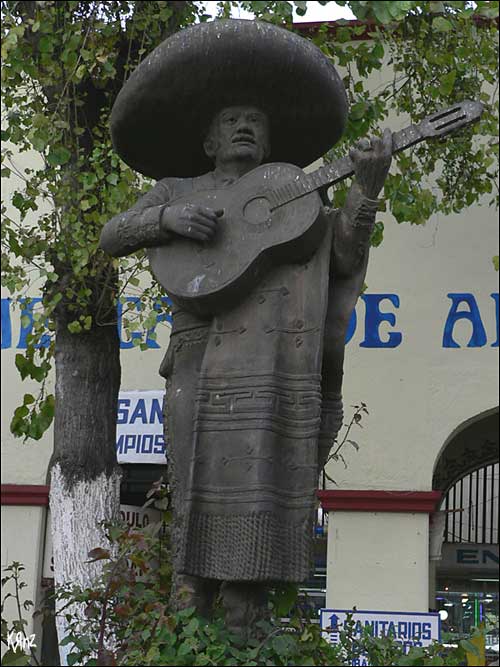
442,122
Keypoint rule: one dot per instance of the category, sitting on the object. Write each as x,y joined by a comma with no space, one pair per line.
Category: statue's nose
245,125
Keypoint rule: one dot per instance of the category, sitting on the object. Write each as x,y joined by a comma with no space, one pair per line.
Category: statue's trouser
182,370
243,602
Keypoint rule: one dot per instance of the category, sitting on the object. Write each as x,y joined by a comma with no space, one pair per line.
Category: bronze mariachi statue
263,277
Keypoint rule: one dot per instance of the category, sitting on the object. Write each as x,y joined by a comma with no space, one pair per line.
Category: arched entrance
466,574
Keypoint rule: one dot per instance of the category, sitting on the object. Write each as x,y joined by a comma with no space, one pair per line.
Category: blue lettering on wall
123,406
27,305
463,307
156,412
162,317
6,325
351,328
124,344
478,335
489,555
426,631
139,413
497,317
374,317
469,556
141,443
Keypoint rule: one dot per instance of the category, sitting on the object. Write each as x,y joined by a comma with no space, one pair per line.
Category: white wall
377,561
419,392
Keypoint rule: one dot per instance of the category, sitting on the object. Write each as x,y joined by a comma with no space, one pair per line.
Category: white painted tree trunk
76,512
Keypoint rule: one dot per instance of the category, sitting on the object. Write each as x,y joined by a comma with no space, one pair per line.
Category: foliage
128,618
65,61
338,444
15,656
129,622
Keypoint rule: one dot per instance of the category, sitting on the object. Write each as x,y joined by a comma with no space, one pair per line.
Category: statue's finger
387,141
364,144
354,154
203,221
206,212
198,232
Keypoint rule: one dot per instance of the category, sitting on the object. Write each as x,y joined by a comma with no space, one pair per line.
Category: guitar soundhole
257,211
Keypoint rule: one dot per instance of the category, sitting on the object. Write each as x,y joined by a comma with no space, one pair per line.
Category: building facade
422,353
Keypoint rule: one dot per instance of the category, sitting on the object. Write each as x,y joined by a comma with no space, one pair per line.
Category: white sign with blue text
410,629
139,427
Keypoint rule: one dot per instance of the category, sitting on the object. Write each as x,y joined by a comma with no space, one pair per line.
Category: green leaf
74,327
378,50
187,612
21,411
470,648
58,155
284,599
447,82
358,110
184,649
46,43
283,644
192,627
25,321
13,658
22,365
80,71
441,24
382,11
495,261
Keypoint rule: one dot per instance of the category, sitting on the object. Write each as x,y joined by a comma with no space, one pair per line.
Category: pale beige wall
23,537
377,561
419,392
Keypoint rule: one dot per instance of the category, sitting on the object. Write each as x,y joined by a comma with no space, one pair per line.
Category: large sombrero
161,115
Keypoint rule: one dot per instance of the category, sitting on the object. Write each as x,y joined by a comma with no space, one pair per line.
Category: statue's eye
230,120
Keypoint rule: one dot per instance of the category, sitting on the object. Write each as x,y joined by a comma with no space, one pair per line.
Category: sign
138,517
407,628
461,557
139,427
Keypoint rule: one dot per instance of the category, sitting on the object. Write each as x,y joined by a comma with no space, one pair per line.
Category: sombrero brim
161,115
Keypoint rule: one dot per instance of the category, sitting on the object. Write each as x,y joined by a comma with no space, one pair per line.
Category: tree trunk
84,475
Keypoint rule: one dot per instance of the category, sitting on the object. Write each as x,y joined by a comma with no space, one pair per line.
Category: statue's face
238,133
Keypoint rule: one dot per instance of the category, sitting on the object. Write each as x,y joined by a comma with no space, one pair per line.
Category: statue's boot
245,603
195,592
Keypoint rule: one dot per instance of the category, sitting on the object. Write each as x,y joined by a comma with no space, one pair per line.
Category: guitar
271,215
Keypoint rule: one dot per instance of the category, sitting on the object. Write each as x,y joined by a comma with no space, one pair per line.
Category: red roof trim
379,501
25,494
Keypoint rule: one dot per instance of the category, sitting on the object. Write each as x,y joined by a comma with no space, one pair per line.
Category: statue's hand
372,160
190,220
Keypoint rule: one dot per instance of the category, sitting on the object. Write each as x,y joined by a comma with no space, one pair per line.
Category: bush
126,619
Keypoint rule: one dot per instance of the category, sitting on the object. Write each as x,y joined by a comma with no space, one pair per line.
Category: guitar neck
437,124
336,171
343,168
